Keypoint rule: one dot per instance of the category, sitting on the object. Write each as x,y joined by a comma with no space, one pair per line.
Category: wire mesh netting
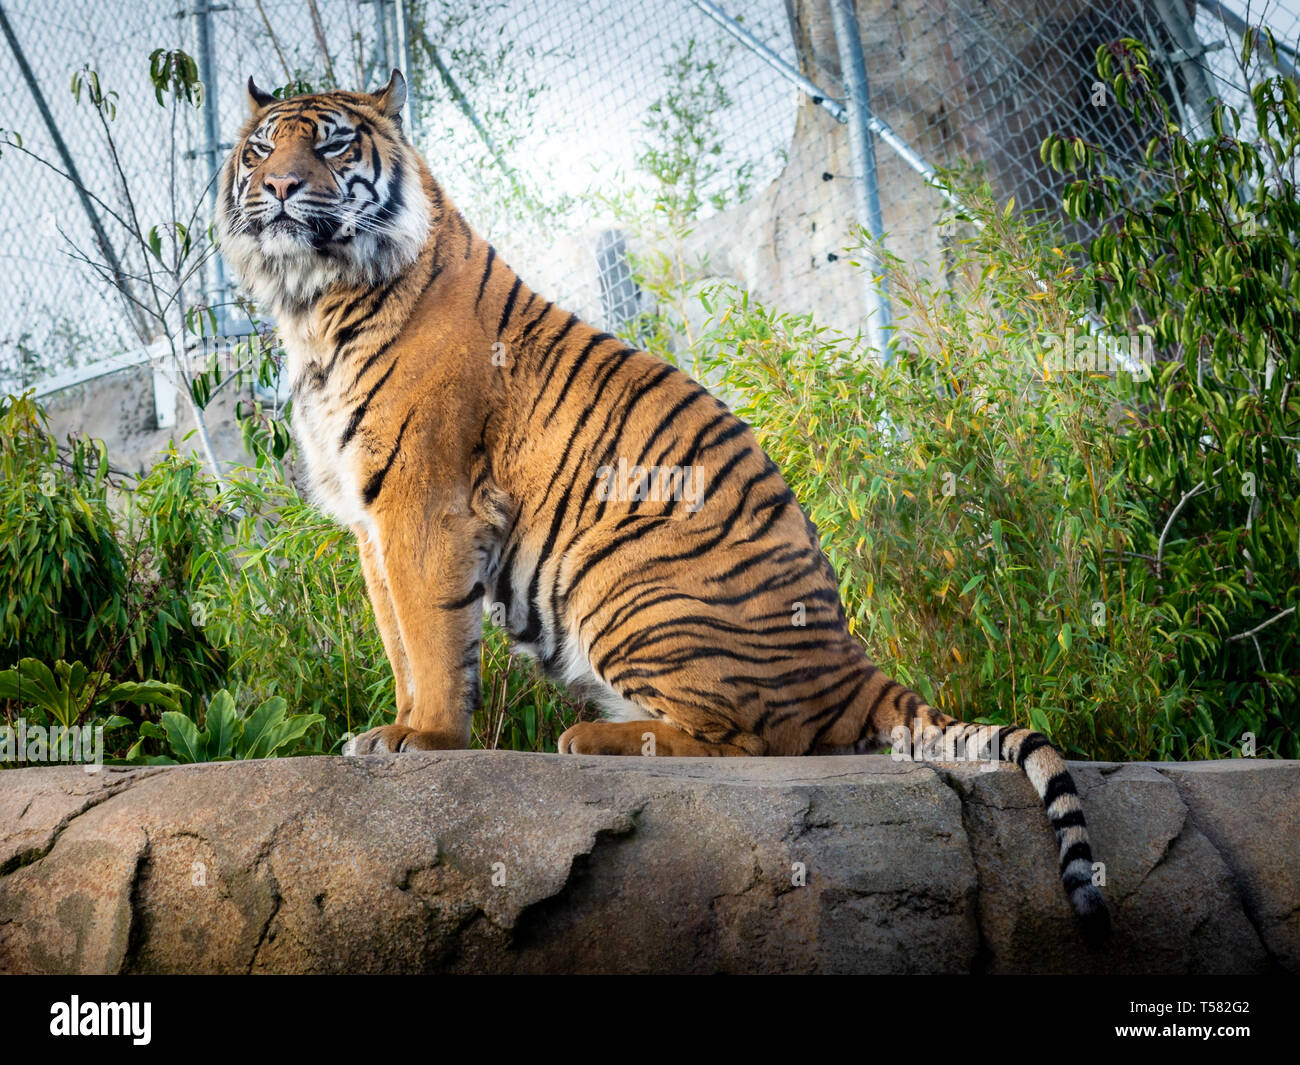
556,126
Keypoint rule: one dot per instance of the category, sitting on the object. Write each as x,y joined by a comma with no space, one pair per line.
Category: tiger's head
321,190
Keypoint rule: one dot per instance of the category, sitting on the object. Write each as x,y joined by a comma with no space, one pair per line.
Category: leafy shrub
284,592
1206,259
262,733
70,692
86,583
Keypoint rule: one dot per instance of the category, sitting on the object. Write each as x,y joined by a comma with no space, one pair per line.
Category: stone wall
479,861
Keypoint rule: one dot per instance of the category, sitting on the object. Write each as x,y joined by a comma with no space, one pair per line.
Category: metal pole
384,63
97,227
202,14
866,190
404,64
463,105
1183,33
833,106
885,132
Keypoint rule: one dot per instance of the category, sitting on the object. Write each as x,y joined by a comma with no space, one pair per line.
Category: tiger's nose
282,185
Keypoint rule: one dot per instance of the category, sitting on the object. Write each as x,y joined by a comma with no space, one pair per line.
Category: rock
1250,812
475,861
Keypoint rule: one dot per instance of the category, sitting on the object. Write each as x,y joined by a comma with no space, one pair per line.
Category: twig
1160,547
319,30
113,471
1263,625
275,42
10,143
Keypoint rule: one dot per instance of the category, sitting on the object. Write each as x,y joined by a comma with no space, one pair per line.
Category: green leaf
187,743
259,728
222,727
290,732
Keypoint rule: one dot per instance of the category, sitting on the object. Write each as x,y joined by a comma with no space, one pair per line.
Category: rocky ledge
476,861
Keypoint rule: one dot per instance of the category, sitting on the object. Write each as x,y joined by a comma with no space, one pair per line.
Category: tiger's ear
257,99
392,97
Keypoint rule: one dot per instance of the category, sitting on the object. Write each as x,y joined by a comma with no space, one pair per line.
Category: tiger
490,450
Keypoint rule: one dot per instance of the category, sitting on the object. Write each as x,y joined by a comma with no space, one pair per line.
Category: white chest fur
320,418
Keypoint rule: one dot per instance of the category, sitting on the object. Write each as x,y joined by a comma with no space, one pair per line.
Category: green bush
89,583
70,692
262,733
1206,259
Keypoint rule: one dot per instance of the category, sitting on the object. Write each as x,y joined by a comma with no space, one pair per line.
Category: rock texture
496,862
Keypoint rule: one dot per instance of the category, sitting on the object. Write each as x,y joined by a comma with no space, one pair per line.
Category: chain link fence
556,127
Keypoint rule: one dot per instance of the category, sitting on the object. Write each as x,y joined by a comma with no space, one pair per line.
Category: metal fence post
202,15
1188,57
403,48
866,190
382,62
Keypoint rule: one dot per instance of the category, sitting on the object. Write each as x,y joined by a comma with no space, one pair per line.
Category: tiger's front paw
393,739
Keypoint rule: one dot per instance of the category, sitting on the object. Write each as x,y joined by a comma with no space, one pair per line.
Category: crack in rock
39,851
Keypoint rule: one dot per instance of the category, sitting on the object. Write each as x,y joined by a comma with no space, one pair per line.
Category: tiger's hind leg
642,737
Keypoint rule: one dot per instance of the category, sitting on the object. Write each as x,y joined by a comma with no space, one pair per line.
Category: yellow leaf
950,558
957,655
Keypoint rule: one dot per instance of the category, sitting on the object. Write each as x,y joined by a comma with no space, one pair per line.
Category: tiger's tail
931,735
